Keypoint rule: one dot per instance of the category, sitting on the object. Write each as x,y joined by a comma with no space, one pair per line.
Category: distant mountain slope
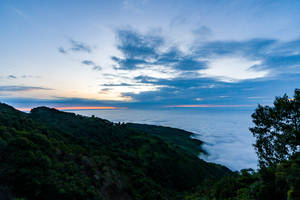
49,154
178,137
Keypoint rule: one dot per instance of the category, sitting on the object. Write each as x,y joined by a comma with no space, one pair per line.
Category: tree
277,130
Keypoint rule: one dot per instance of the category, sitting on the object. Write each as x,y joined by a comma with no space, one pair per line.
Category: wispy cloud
80,46
134,5
91,63
144,51
118,84
202,32
30,76
136,48
222,60
17,88
21,13
152,69
14,77
76,46
226,68
11,77
62,50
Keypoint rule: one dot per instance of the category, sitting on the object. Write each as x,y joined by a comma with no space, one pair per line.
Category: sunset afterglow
149,55
80,108
149,99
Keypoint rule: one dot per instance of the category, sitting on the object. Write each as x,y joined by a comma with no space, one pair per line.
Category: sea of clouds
224,130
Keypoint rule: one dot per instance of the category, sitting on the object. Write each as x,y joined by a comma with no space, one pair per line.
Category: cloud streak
78,46
151,68
11,77
17,88
75,46
91,63
207,68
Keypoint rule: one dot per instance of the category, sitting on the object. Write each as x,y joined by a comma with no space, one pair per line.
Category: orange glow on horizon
116,108
81,108
207,106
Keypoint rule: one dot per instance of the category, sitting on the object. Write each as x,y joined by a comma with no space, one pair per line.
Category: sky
148,53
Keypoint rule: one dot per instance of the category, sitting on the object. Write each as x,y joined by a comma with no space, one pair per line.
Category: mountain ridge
50,154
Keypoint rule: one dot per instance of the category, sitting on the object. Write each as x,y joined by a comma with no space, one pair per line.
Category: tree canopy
49,154
277,145
277,130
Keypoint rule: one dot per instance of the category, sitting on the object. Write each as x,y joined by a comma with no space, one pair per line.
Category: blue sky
148,53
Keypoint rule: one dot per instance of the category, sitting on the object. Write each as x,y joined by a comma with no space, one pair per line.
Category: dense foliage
277,145
273,183
277,130
48,154
181,138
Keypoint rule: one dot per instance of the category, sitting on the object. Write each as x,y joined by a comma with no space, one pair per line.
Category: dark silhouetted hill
49,154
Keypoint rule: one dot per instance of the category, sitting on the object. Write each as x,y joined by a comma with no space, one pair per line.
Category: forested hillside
49,154
179,137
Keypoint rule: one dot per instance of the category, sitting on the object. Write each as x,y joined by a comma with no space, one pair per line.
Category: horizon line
80,108
207,106
69,108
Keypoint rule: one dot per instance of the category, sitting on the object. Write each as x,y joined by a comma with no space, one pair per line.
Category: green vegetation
178,137
48,154
277,130
277,145
276,183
